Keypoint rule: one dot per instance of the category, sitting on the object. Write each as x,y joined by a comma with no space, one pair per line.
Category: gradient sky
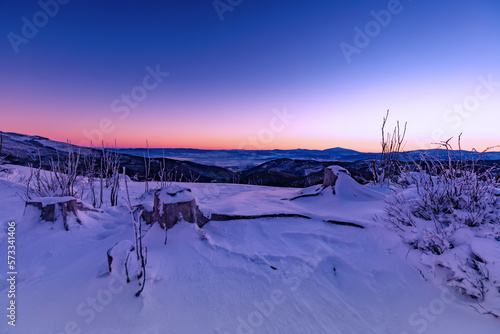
228,78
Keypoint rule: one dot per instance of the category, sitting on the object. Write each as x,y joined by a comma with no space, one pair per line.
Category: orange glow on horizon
219,144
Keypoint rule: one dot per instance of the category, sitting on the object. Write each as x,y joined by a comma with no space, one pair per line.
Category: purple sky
271,74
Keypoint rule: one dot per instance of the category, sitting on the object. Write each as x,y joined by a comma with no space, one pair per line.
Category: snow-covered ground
268,275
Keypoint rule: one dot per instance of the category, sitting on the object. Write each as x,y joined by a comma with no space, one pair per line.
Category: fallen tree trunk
224,217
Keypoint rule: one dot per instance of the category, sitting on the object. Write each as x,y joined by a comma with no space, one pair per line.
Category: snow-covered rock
332,174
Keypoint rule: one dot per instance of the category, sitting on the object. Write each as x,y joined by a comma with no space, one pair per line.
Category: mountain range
297,168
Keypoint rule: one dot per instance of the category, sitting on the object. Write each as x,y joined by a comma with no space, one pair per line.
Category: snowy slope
269,275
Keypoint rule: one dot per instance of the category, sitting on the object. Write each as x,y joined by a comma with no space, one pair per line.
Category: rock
345,187
331,175
51,208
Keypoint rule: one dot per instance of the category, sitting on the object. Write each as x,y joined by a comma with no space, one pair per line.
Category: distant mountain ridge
239,160
27,150
290,168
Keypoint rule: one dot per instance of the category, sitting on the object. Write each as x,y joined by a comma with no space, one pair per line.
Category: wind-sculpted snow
268,275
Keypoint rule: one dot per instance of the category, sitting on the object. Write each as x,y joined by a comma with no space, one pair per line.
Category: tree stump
51,208
173,203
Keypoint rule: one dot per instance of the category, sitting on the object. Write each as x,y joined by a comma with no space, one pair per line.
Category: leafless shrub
91,173
66,173
455,189
385,167
109,175
440,198
60,180
1,146
141,251
164,175
192,178
114,162
147,167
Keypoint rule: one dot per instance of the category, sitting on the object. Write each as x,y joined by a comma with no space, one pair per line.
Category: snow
51,200
174,194
337,169
347,187
268,275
